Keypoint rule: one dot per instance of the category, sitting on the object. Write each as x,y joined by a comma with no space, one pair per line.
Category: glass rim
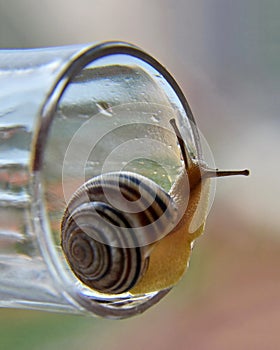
69,69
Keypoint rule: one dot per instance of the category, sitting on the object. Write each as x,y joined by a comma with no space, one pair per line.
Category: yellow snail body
143,250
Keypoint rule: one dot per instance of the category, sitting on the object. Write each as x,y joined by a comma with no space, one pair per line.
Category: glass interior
113,116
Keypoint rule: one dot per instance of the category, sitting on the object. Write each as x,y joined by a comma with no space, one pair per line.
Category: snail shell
107,246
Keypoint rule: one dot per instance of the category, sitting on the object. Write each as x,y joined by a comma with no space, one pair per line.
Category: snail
138,250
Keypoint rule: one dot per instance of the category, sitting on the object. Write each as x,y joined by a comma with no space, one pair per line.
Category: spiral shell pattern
106,245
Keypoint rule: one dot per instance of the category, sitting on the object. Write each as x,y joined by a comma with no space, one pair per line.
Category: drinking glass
63,112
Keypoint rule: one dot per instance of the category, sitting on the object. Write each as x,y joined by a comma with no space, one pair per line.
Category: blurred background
225,56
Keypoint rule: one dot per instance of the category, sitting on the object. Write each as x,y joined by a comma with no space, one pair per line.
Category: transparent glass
66,115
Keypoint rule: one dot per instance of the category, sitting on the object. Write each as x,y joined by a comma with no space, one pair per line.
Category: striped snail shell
112,220
108,247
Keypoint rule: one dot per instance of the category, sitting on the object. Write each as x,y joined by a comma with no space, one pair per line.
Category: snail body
123,232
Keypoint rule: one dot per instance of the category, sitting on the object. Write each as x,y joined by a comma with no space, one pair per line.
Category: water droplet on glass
7,132
92,164
104,108
155,118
